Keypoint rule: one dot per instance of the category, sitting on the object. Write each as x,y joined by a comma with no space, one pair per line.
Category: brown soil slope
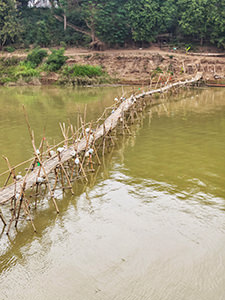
136,66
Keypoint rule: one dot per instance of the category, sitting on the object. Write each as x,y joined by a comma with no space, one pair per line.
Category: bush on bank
55,60
83,70
12,69
36,57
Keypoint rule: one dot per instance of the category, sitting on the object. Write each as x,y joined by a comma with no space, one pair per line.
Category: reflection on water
46,107
148,225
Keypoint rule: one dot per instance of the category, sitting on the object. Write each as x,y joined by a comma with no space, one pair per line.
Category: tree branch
96,42
60,19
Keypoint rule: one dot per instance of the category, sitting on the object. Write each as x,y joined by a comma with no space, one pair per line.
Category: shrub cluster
36,57
12,69
25,69
83,71
9,49
55,60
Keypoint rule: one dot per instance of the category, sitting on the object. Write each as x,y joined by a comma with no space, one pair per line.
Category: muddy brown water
150,224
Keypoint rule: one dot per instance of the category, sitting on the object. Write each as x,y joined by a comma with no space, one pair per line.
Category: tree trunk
93,35
64,21
201,41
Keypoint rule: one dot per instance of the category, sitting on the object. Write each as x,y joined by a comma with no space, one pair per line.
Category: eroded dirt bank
136,67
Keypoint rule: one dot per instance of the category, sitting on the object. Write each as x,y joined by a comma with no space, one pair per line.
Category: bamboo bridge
67,161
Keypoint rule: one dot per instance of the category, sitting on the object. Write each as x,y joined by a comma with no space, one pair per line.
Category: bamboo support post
67,178
49,187
2,218
26,208
46,176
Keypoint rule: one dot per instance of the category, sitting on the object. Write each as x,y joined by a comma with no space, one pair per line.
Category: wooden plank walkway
7,193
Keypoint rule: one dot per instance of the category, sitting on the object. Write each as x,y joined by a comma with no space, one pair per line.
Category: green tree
10,28
217,21
112,24
168,16
194,19
87,10
42,34
22,4
143,17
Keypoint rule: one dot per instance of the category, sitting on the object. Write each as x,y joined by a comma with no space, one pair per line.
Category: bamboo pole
2,218
39,160
46,176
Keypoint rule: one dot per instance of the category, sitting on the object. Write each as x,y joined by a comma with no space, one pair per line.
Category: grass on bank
83,75
26,70
83,71
12,69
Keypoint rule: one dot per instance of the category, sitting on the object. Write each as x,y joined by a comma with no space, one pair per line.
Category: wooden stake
46,176
2,218
27,210
67,177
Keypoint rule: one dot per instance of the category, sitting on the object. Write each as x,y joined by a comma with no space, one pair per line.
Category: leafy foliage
144,17
42,35
12,69
217,22
168,16
9,49
113,22
51,31
26,69
193,19
83,70
56,60
10,28
36,57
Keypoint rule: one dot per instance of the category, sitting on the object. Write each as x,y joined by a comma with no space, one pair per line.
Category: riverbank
119,66
41,68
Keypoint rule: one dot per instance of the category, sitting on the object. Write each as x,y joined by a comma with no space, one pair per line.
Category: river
149,225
